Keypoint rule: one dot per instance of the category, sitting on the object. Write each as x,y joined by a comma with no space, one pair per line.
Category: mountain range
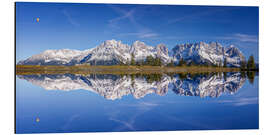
115,87
112,52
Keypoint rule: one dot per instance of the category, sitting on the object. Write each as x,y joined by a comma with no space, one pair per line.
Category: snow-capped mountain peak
112,52
212,53
52,57
110,43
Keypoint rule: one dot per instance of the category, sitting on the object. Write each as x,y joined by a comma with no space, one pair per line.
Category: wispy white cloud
126,124
246,101
198,15
70,121
190,121
189,16
241,101
130,15
70,19
246,38
148,35
241,37
142,34
145,104
129,123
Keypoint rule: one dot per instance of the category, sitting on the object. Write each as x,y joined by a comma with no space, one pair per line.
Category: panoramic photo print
85,67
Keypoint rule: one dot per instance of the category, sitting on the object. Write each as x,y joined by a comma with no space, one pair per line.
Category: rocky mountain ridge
112,52
115,87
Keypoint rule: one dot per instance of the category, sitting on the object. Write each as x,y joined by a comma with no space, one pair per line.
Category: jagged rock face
163,53
234,56
112,52
208,86
52,57
115,87
141,51
203,53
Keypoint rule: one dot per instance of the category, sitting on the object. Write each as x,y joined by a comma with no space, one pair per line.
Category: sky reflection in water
100,103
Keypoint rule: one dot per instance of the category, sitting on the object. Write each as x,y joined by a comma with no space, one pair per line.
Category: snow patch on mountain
112,52
203,53
115,87
52,57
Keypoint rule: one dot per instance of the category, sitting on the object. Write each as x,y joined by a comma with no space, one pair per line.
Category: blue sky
84,26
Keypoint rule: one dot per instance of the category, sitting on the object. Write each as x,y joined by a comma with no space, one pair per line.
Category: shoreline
117,69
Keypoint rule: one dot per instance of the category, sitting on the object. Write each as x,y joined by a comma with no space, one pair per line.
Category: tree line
249,65
151,61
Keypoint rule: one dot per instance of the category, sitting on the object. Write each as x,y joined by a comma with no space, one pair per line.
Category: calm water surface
101,103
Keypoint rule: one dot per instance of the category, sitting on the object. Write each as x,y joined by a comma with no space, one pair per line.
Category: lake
60,103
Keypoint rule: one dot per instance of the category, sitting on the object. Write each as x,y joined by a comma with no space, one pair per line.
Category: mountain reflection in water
116,86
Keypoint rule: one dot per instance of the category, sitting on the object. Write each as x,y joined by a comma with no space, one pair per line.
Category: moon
37,119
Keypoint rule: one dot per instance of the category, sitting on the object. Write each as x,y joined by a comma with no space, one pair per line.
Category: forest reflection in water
115,86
